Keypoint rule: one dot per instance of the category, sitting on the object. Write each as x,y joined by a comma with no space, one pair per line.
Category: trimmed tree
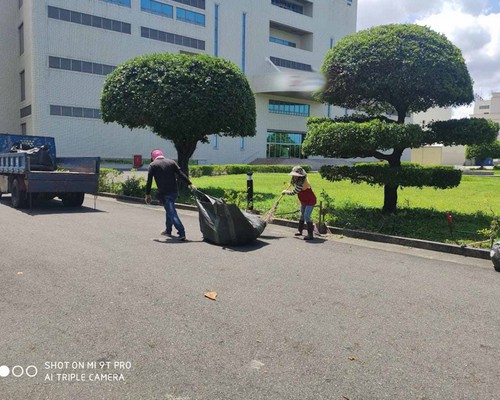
181,98
394,69
480,152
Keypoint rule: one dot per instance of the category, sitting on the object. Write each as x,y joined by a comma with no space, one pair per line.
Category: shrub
134,186
107,177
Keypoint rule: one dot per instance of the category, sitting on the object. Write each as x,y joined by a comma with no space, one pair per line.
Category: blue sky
472,25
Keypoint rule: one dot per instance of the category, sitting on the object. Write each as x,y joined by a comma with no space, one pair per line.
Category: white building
489,109
436,154
56,53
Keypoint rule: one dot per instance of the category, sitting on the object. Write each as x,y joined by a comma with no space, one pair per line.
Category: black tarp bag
226,224
39,157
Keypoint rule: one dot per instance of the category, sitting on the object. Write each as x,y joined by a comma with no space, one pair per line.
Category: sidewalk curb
372,236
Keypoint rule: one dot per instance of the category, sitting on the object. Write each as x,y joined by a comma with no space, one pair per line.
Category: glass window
155,7
284,144
76,17
54,62
67,111
282,42
88,113
25,111
288,6
190,16
23,86
96,21
97,69
106,23
125,3
172,38
87,67
283,107
21,38
77,112
126,28
76,65
107,69
53,12
192,3
65,63
87,19
55,110
64,15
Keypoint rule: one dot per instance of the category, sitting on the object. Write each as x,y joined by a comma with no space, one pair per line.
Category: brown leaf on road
211,295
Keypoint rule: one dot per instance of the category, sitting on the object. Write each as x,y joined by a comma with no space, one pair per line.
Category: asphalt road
95,304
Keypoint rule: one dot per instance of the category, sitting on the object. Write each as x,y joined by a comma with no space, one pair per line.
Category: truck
30,170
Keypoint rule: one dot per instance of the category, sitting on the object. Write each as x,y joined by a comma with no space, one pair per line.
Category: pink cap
155,154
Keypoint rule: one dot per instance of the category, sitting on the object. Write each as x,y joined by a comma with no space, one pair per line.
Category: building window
216,30
21,38
192,3
79,112
283,107
280,62
89,20
125,3
242,143
288,6
215,141
172,38
24,131
25,111
20,3
284,144
484,107
282,42
23,85
189,16
80,66
155,7
243,41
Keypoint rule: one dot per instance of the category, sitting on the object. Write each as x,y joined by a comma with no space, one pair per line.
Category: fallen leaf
352,358
19,273
211,295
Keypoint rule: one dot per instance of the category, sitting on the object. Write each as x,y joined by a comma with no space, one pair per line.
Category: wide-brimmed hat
298,171
155,154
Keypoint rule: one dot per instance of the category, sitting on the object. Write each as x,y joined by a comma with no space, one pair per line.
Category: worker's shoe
181,237
310,231
166,233
301,228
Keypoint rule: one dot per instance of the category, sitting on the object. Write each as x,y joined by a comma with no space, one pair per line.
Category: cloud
472,25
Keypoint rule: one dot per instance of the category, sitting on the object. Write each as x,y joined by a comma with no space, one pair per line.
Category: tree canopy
182,98
389,69
399,67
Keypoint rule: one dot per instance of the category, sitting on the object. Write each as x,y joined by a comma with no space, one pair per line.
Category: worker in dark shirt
164,171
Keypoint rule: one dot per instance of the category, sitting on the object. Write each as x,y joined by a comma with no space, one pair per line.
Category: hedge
409,175
233,169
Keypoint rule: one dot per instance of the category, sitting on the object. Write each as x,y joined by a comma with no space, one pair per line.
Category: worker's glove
147,199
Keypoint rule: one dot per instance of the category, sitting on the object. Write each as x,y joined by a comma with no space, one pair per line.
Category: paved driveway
94,304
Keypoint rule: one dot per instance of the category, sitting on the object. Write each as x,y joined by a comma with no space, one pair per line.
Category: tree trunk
390,199
391,190
184,152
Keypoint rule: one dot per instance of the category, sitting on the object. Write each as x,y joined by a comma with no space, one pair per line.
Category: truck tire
73,199
18,195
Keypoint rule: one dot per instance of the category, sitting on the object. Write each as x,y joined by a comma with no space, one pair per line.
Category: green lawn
422,212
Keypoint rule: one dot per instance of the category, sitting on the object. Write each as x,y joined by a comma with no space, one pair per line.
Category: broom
269,216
